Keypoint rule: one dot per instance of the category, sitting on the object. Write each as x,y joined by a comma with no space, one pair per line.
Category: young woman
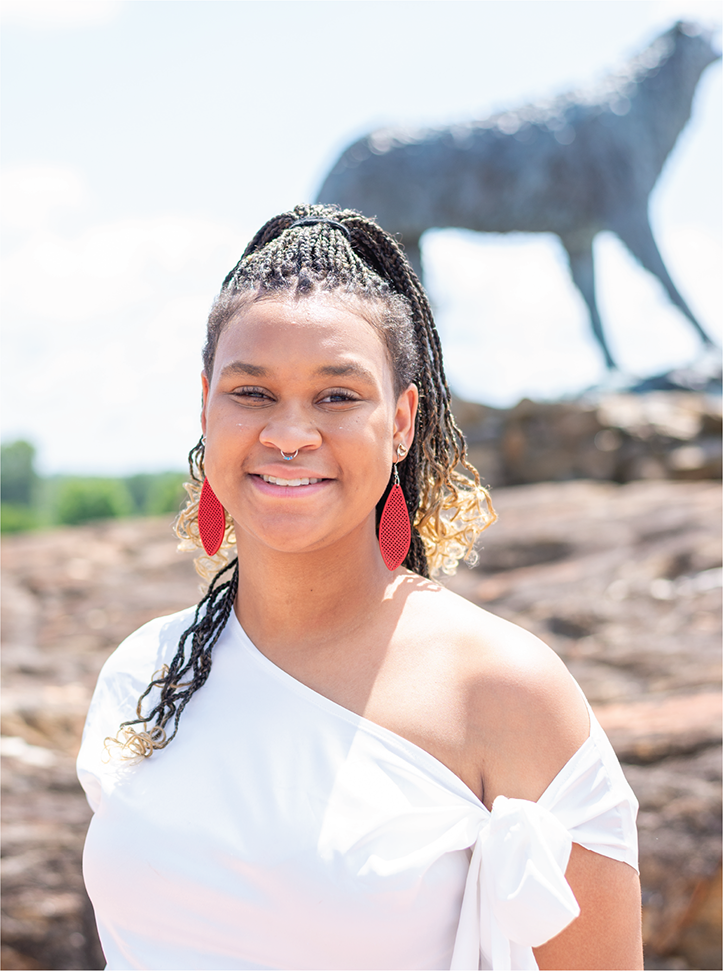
335,762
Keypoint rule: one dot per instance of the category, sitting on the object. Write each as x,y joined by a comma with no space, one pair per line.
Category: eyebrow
241,367
343,370
327,370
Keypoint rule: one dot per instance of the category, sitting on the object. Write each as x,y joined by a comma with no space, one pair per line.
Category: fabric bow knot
516,895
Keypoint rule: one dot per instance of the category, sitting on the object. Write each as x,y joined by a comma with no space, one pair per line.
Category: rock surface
616,437
624,582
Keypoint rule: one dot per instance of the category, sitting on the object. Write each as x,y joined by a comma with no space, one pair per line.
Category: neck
288,602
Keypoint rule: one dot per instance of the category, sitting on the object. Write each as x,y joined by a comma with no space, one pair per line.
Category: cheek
366,442
373,445
225,420
229,438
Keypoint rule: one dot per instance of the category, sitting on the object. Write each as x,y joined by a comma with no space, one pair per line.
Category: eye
251,394
338,396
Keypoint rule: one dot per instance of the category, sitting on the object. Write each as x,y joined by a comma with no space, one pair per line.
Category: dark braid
183,676
436,428
312,249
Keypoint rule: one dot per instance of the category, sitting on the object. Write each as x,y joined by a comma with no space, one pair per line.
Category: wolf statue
574,166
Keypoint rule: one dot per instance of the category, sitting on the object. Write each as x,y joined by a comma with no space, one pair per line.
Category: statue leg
578,247
635,232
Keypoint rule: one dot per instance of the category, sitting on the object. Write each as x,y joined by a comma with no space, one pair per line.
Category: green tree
16,519
138,487
155,493
83,500
166,494
18,478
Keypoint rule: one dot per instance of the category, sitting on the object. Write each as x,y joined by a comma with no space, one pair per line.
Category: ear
404,422
204,400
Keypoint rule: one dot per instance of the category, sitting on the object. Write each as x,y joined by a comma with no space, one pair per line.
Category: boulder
621,438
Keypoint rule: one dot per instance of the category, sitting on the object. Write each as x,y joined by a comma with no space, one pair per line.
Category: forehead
307,330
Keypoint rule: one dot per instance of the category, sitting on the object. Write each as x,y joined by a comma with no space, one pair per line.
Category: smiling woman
369,771
252,428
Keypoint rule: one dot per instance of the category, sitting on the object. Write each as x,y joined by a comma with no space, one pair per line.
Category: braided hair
322,249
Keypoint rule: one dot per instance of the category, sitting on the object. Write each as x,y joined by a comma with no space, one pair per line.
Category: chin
281,539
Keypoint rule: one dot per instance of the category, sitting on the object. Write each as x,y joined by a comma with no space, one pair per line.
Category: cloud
54,14
103,328
64,277
708,12
125,398
32,195
115,393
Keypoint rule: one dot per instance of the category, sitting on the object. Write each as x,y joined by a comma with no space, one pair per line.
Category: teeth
289,482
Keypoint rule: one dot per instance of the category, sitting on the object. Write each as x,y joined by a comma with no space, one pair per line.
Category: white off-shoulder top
281,831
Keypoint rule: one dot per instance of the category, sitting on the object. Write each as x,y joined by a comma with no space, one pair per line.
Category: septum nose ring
288,458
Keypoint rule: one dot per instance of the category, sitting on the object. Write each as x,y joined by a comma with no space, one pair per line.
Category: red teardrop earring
212,520
394,529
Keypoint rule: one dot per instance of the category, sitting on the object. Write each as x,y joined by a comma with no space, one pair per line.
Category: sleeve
90,757
594,802
123,678
517,896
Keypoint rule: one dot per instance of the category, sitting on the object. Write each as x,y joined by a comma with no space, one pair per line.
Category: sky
145,141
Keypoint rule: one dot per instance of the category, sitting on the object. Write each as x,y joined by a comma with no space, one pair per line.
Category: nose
290,431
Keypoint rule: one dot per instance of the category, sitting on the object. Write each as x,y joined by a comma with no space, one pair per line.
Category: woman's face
309,375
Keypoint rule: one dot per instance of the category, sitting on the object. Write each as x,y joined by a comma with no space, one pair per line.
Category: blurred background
144,142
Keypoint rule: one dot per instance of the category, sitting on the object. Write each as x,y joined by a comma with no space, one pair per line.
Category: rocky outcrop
623,581
621,438
69,597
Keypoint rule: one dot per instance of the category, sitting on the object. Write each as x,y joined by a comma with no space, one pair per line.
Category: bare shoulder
525,714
